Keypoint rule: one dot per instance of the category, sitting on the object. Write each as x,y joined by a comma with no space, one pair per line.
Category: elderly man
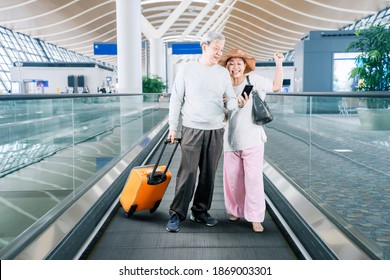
197,98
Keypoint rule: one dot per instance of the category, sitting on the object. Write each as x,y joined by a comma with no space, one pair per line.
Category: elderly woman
244,142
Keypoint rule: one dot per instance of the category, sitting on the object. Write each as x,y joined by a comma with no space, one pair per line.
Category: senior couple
202,90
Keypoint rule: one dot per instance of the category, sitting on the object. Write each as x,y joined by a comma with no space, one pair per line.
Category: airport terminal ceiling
260,27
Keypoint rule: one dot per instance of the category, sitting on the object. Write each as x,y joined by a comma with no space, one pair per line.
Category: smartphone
247,90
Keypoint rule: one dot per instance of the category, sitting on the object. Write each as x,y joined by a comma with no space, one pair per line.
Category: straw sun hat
250,61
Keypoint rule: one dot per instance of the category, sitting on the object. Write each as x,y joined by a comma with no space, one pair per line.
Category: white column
157,55
170,67
128,18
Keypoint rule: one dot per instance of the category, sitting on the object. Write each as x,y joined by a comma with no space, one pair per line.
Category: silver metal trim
288,229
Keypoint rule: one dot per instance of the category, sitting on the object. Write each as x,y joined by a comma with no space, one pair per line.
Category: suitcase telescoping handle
155,179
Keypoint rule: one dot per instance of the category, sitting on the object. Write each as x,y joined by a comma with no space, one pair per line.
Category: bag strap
247,79
249,83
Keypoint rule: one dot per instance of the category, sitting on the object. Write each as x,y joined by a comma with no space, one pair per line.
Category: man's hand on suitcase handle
172,137
176,140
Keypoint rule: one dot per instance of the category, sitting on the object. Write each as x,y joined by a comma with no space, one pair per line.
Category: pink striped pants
243,183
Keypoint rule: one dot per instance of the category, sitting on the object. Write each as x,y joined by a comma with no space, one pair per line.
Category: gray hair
211,36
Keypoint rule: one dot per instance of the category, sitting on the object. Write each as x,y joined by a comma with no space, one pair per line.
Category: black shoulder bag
260,111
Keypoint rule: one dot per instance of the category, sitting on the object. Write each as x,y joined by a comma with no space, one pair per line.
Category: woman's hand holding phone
244,97
246,91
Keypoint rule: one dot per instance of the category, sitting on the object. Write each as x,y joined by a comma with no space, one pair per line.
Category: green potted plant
372,71
153,86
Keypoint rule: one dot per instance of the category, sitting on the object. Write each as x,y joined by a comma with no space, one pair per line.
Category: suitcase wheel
131,211
156,205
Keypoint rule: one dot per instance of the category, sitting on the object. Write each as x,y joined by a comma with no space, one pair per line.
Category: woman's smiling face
236,67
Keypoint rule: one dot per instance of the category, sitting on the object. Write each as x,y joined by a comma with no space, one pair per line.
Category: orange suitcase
146,185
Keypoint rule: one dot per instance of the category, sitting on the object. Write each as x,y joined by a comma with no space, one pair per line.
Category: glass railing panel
53,149
350,172
346,173
132,109
290,132
95,124
32,130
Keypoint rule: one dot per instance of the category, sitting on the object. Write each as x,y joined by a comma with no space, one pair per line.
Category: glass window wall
20,47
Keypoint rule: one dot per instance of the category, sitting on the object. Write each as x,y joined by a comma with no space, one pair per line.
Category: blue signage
186,48
110,48
105,49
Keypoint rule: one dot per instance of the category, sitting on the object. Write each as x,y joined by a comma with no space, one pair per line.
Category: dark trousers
203,149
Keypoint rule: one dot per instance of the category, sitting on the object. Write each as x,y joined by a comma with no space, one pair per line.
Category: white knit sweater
197,97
